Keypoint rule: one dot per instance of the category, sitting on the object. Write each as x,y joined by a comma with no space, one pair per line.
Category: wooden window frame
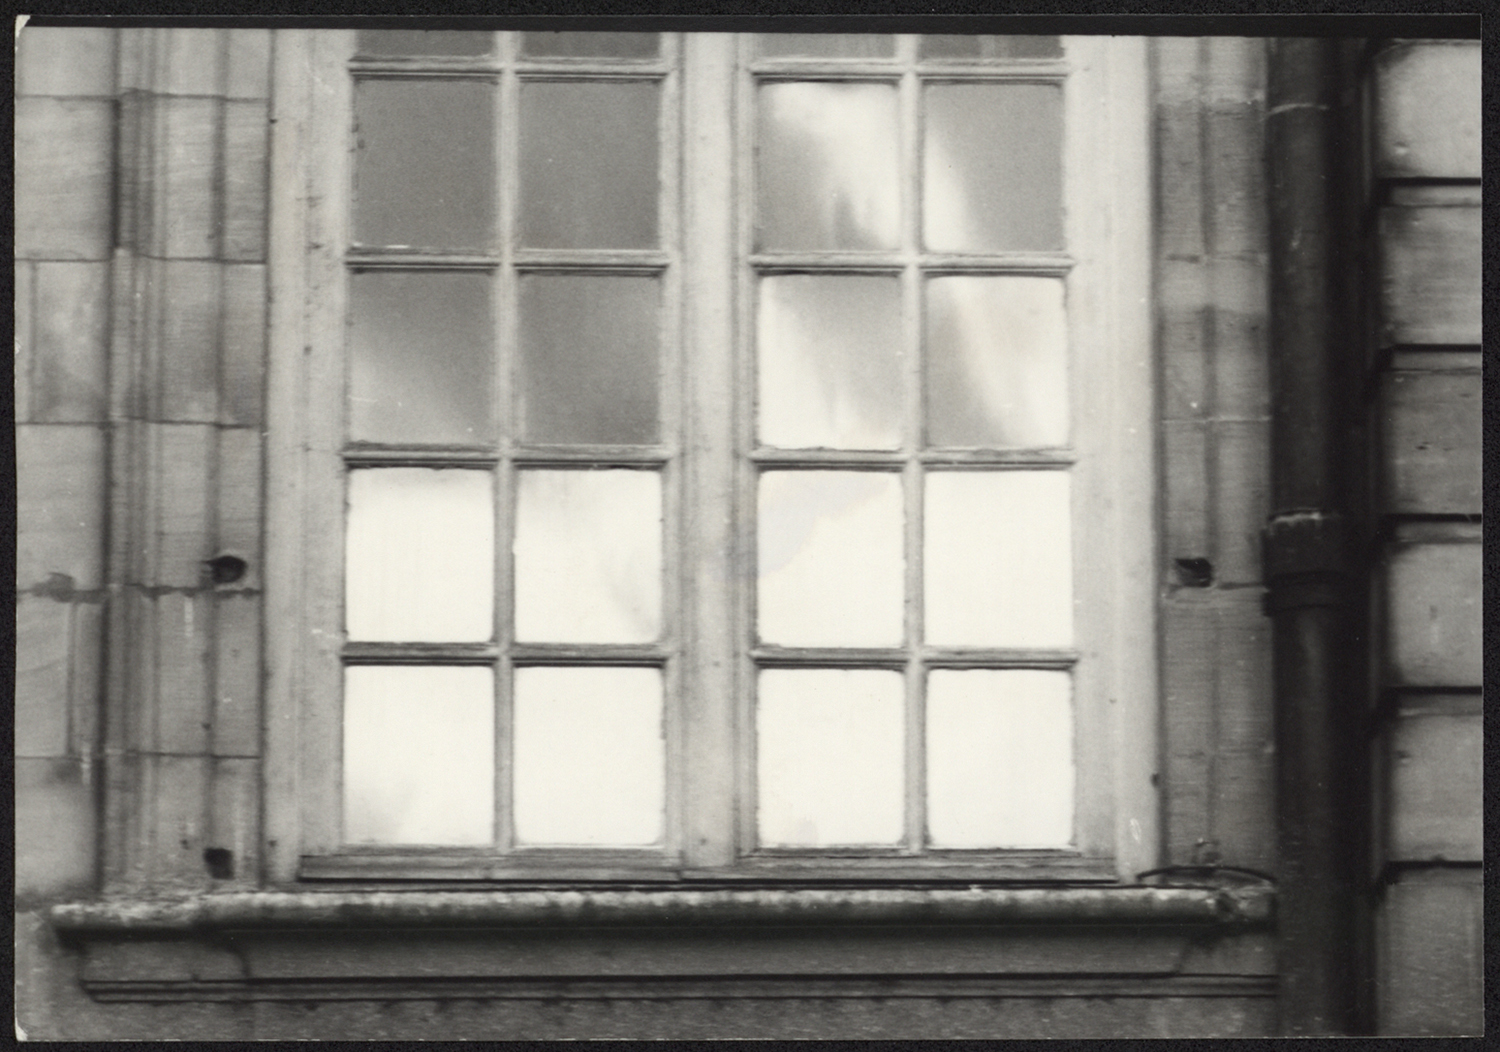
710,495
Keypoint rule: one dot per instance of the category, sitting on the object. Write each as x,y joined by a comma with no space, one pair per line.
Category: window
710,456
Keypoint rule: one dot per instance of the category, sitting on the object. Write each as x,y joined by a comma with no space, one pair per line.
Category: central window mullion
508,138
912,435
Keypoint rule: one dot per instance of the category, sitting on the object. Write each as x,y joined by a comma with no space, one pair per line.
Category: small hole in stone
220,862
1195,573
227,569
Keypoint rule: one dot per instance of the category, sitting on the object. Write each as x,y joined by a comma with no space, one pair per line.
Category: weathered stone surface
1427,110
64,162
60,504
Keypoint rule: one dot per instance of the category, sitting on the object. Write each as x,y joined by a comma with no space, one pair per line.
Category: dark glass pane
424,166
997,362
589,350
826,45
990,47
590,45
423,42
829,356
828,170
420,358
992,167
588,165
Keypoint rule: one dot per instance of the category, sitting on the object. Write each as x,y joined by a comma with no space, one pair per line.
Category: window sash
713,822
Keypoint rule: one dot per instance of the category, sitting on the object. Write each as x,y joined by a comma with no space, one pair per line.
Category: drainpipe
1305,548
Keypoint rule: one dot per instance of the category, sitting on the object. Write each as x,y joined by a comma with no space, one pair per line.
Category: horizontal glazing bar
364,258
643,656
1059,457
427,68
420,653
931,71
598,456
825,458
622,261
1035,264
423,457
895,657
937,459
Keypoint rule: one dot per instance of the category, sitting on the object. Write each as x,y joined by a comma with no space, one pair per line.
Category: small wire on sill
1205,872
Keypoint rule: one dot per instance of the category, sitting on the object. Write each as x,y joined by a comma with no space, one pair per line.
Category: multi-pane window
726,441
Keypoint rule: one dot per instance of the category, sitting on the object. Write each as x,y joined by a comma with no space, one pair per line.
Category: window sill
718,907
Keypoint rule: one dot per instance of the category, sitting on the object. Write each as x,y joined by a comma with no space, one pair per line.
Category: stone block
1242,469
42,665
55,829
65,61
248,53
1436,790
64,154
191,61
24,289
234,819
246,162
186,215
71,342
1234,182
1427,110
1179,159
1431,441
182,462
1430,275
1431,959
59,504
237,699
186,309
1241,351
1433,615
242,367
1185,480
184,634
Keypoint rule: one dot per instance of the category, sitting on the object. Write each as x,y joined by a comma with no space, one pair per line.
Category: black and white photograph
795,528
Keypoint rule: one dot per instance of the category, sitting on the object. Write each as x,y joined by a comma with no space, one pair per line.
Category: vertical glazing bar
912,434
710,631
505,480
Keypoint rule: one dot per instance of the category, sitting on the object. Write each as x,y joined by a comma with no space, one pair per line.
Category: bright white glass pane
419,755
830,361
588,756
999,759
997,362
829,757
998,559
420,555
588,557
828,171
830,558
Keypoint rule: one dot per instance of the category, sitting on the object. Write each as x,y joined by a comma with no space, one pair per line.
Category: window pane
830,361
419,747
999,759
589,350
992,167
420,360
828,172
997,362
830,762
588,557
589,760
588,165
419,560
831,562
943,46
998,559
424,171
603,45
423,42
826,45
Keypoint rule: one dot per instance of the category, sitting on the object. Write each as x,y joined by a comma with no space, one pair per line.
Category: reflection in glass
588,165
423,42
589,45
997,362
419,555
830,361
588,556
828,176
424,165
589,760
829,757
992,167
830,558
825,45
589,348
999,759
419,747
420,360
998,559
984,47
